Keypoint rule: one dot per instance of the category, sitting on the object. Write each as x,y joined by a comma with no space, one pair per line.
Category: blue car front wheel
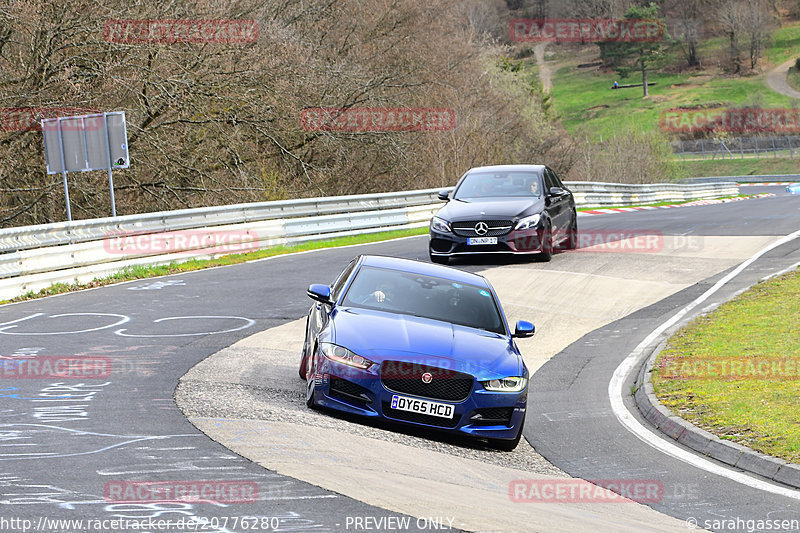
311,386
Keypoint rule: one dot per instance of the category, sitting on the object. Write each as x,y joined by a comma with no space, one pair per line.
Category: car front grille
418,418
445,384
492,416
496,228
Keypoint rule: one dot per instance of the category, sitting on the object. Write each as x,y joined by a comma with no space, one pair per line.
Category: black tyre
304,355
571,242
311,382
547,244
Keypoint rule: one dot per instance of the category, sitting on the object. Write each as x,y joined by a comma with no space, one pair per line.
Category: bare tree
731,17
685,20
758,21
211,123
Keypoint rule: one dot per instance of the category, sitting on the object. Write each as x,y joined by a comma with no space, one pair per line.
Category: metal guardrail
598,194
35,257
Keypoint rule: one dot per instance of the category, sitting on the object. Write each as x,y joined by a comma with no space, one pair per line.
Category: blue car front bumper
482,414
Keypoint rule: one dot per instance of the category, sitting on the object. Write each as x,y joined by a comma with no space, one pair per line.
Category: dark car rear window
425,296
499,184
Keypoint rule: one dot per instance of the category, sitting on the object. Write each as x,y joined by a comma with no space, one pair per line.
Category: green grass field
584,101
793,78
742,167
784,45
752,400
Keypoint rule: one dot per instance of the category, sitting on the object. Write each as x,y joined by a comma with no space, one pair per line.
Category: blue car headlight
528,222
440,225
340,354
511,384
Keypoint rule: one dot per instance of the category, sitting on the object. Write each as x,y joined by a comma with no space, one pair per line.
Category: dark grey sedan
509,209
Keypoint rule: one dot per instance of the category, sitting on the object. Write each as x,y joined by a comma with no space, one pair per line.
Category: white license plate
482,240
423,407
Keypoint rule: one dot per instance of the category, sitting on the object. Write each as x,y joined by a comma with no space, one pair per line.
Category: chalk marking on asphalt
122,319
615,391
248,323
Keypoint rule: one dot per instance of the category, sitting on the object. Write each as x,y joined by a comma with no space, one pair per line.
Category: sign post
83,143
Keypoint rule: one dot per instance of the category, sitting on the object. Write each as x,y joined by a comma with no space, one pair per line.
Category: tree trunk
693,60
644,80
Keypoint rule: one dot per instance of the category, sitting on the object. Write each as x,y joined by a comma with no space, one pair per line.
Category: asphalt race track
66,445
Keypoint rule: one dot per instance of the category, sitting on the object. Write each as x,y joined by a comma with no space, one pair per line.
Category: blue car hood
379,336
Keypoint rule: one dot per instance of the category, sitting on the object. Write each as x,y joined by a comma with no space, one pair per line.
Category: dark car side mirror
557,191
444,195
524,329
320,293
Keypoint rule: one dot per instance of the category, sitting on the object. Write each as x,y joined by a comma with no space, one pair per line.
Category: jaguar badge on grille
427,377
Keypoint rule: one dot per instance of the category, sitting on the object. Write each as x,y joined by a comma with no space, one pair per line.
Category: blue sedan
418,344
793,188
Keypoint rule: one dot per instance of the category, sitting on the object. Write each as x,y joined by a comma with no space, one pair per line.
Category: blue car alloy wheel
417,344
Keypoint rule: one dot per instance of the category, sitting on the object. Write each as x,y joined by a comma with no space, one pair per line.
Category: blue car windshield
407,293
499,185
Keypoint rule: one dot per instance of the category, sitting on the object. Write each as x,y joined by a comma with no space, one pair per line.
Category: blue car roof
429,269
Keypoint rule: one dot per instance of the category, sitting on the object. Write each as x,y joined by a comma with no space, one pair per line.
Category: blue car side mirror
524,329
320,293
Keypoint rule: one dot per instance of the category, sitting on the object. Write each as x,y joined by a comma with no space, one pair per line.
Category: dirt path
776,79
545,75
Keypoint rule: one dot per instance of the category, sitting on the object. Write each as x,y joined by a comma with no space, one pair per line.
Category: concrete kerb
698,439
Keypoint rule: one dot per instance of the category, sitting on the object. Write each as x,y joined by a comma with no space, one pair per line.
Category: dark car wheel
439,259
508,445
304,355
310,382
547,244
571,242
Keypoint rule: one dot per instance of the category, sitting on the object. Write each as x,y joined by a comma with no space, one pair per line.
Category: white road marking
122,320
248,323
615,392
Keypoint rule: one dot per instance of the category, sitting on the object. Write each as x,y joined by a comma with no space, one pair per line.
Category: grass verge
736,371
146,271
793,78
657,204
743,167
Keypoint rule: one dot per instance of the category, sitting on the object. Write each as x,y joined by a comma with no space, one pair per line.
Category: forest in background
215,123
